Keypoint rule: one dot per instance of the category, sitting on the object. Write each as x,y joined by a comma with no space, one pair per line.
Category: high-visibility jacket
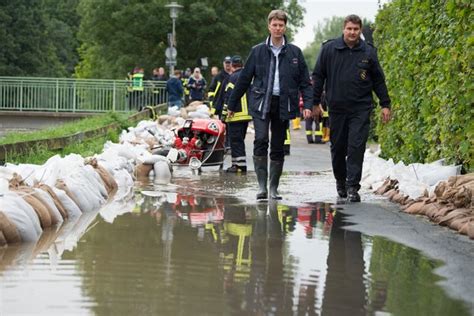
216,91
185,85
241,111
137,82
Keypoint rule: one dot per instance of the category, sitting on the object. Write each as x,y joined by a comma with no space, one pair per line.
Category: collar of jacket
340,44
283,49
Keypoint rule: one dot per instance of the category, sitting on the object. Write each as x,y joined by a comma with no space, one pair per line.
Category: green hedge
426,50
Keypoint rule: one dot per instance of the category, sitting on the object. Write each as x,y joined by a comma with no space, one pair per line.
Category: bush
426,50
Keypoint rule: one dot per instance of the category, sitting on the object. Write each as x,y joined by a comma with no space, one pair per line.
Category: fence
77,95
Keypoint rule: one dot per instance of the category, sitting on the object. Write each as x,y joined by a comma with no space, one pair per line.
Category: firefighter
137,88
350,68
238,121
185,80
217,87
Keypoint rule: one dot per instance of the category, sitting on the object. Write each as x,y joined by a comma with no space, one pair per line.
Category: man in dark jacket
216,89
278,74
350,68
175,90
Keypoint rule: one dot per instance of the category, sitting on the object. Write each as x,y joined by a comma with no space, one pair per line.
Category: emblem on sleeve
363,74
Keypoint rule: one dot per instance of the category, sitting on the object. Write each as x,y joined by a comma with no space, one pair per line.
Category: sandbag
142,171
470,230
8,230
42,212
56,200
457,213
109,181
457,223
460,180
70,206
415,208
430,209
3,241
443,211
60,184
47,200
463,197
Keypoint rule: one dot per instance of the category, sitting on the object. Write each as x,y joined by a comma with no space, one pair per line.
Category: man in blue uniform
278,74
350,68
238,122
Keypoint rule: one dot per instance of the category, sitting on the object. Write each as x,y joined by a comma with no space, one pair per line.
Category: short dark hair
354,19
277,14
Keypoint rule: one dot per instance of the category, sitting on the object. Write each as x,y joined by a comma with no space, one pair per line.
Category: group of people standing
274,78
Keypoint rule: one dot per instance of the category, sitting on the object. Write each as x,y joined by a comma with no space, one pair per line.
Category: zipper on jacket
288,104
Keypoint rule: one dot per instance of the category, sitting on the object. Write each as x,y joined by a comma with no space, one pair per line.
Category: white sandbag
439,173
71,207
197,114
413,189
152,159
20,218
111,210
46,198
174,111
125,185
95,179
162,172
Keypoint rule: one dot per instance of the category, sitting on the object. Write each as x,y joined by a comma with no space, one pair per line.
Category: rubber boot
296,123
261,169
276,168
325,134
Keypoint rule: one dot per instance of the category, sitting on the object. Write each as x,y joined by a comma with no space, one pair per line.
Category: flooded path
201,246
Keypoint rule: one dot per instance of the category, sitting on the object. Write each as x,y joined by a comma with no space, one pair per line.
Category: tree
117,35
329,29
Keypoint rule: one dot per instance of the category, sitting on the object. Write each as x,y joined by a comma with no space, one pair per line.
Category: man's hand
307,113
318,110
230,113
385,115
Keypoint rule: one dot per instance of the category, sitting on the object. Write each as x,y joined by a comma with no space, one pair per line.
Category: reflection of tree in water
403,283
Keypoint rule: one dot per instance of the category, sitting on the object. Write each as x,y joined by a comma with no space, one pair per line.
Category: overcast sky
317,10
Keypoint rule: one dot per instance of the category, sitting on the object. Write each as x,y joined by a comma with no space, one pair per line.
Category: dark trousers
349,133
237,132
277,127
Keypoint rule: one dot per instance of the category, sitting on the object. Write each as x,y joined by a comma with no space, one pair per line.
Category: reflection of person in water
344,292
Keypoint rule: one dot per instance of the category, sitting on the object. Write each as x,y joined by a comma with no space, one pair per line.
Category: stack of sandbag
34,198
446,202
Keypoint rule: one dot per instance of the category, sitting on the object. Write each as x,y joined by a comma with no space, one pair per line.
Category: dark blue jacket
350,75
294,78
197,92
175,89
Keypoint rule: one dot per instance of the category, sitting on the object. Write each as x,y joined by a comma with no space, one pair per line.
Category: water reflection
182,251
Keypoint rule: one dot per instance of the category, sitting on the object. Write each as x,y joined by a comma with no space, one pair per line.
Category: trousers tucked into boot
261,169
276,168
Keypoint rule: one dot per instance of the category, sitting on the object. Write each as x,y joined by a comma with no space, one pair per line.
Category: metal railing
77,95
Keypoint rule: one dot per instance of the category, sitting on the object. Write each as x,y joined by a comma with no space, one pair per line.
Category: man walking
278,74
350,68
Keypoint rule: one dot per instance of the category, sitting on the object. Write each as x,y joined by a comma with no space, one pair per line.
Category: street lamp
171,51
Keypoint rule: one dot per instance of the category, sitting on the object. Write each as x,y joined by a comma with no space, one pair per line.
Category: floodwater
194,248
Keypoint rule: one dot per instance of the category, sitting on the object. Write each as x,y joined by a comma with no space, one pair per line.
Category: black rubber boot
276,168
353,195
261,169
341,189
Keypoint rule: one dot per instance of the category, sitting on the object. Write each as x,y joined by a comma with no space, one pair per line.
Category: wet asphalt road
375,215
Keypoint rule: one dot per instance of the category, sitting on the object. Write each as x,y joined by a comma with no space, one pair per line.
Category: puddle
192,248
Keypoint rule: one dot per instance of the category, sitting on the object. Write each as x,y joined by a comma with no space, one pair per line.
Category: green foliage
426,49
118,35
330,28
38,38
